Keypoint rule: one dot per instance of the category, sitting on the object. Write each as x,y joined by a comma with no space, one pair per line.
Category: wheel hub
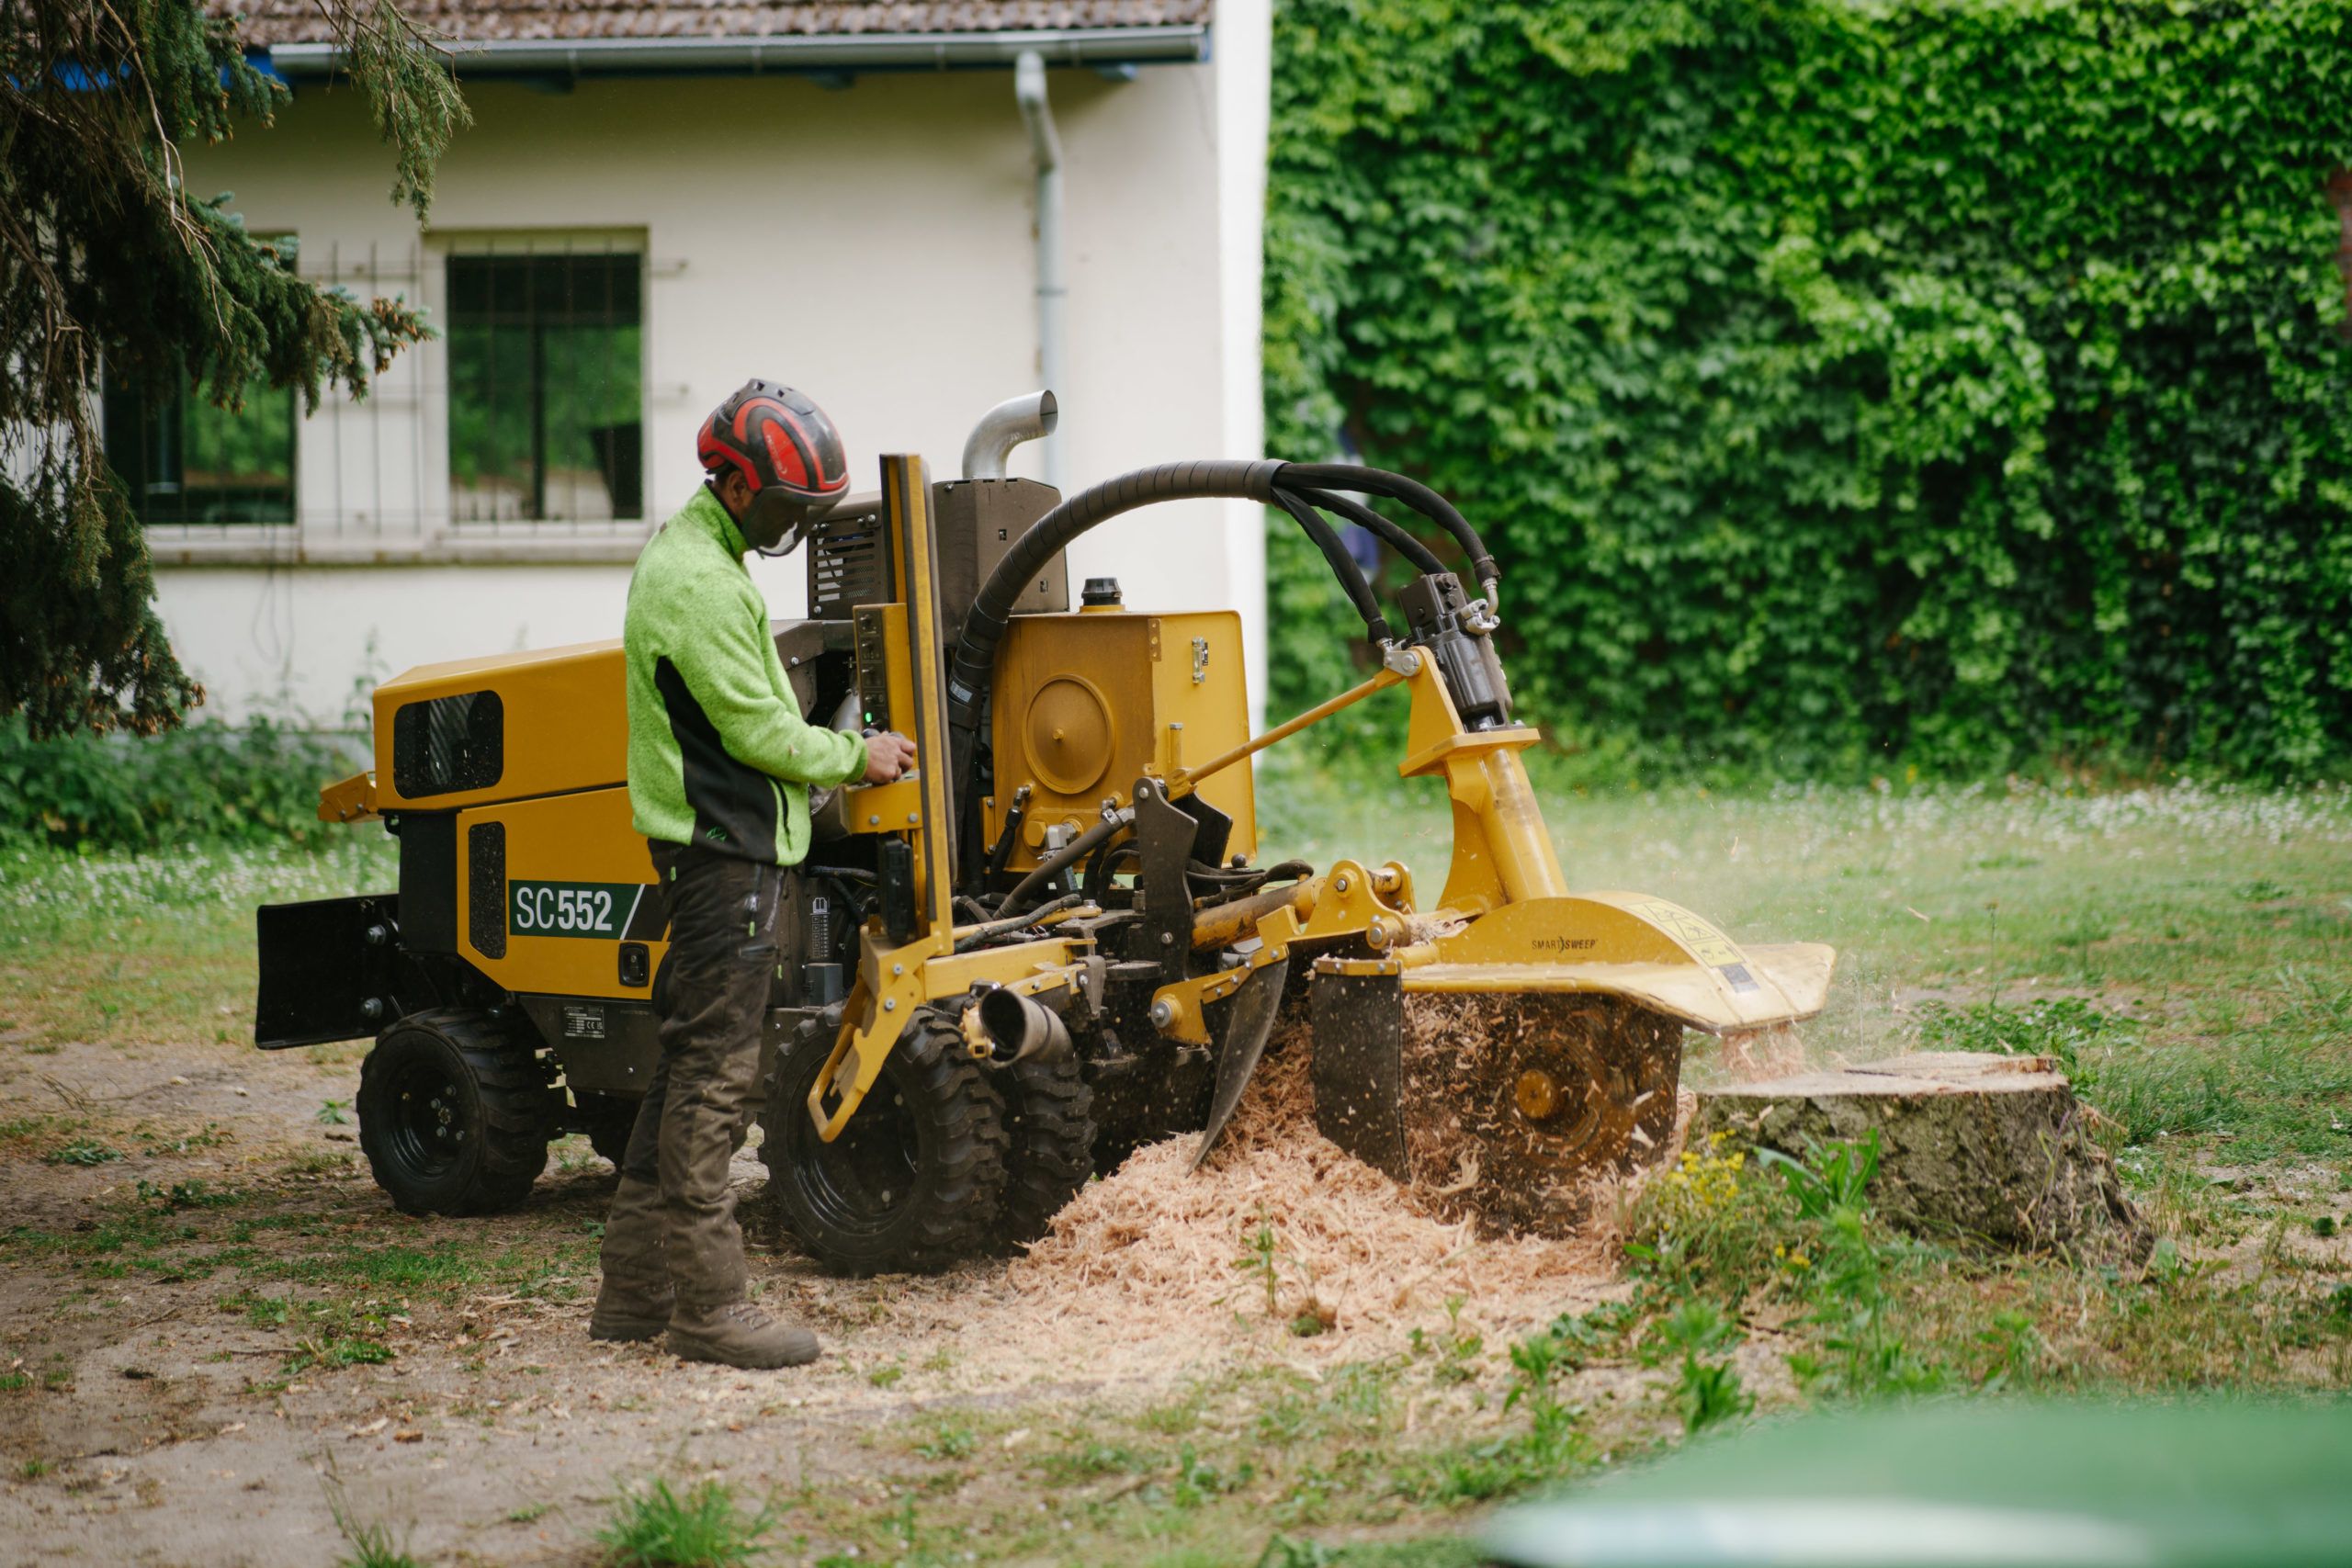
1537,1094
428,1132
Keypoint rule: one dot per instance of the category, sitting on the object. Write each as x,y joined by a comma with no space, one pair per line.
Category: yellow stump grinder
1054,941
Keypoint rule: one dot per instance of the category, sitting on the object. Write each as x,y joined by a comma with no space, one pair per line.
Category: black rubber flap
319,970
1359,1071
1247,1030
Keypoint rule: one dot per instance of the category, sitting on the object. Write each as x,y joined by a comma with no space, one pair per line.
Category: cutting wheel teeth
1507,1106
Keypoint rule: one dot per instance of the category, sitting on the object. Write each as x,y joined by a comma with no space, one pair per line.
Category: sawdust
1155,1265
1753,1055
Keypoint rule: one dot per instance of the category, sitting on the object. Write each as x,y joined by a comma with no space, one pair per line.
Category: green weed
948,1440
1198,1478
657,1528
1257,1262
372,1545
1837,1176
1088,1461
187,1195
338,1350
1457,1353
251,783
82,1151
262,1312
1707,1388
1866,1353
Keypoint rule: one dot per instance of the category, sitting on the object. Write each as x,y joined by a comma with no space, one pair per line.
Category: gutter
791,52
1046,157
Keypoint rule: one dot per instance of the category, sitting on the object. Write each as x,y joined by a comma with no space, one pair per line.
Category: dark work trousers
672,1221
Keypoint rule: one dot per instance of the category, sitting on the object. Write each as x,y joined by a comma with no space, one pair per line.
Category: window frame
252,535
555,533
412,401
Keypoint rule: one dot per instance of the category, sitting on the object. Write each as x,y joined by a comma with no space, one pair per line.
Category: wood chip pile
1158,1262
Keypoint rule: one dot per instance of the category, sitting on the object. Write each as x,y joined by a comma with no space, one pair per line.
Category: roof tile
272,22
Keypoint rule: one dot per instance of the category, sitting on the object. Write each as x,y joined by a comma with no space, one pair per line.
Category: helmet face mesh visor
776,521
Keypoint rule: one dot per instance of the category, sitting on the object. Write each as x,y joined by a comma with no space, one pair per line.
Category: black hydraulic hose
1424,559
1104,867
967,941
1343,565
1412,493
1062,859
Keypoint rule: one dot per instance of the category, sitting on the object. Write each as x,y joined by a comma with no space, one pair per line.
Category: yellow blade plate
1792,984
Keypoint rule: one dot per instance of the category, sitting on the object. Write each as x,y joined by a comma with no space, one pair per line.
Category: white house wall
873,245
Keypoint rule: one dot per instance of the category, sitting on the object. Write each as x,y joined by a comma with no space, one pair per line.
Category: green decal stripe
599,911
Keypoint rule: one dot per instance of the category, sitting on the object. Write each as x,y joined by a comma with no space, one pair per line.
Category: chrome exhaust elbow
1022,1030
1028,417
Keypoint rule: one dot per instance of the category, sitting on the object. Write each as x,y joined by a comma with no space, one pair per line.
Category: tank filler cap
1099,594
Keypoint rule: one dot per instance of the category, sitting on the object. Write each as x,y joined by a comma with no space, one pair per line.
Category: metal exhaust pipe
1022,1030
1027,417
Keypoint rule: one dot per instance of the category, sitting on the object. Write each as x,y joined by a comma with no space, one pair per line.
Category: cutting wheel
1499,1107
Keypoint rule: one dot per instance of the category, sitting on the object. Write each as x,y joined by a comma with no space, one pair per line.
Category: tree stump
1989,1147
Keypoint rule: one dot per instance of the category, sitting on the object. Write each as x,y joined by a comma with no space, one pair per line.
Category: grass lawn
2186,950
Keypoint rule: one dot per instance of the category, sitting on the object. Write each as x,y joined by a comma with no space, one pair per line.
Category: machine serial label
599,909
582,1022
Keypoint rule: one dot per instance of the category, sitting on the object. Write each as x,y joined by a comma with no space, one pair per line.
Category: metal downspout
1046,154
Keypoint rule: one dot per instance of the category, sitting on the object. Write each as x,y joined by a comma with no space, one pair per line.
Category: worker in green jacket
720,764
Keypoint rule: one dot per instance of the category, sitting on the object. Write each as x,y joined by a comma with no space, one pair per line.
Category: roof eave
1175,43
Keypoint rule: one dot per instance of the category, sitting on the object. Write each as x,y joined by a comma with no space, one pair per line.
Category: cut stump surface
1990,1146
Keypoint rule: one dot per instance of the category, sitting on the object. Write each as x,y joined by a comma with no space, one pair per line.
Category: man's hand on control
887,756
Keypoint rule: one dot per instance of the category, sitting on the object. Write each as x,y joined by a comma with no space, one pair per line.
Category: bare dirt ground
173,1320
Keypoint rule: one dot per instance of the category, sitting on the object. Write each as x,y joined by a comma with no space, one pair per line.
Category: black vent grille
449,744
848,565
486,888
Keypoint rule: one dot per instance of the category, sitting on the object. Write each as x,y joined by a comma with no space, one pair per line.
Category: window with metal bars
185,460
546,402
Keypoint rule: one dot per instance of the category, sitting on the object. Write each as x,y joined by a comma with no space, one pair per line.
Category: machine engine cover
1084,704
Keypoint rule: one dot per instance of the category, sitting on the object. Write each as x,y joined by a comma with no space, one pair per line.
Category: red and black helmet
787,450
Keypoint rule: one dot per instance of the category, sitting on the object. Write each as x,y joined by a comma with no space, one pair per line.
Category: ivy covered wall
1842,382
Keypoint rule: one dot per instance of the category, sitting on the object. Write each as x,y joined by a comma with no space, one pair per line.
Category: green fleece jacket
718,754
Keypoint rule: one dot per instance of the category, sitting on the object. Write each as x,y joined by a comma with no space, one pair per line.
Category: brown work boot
630,1312
736,1333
